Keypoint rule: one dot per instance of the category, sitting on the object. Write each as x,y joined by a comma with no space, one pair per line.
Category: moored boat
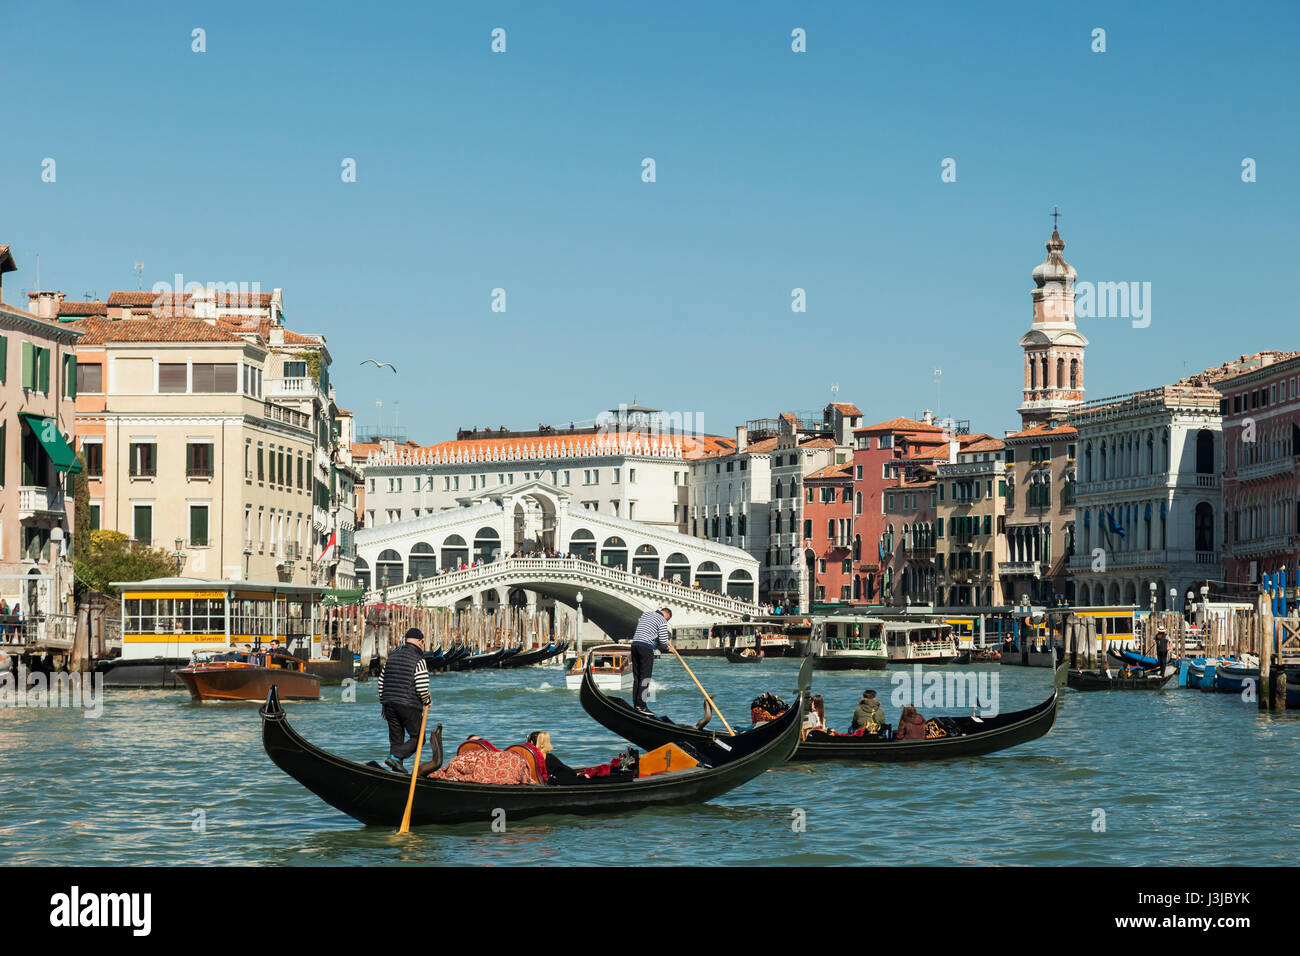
378,797
746,656
964,736
1234,678
1094,680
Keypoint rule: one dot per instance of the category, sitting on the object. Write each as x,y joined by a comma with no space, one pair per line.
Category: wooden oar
410,797
704,692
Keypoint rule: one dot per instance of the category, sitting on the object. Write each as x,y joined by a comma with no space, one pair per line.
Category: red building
1261,491
878,452
828,532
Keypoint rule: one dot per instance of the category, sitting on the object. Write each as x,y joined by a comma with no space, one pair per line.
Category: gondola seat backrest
533,757
664,759
476,744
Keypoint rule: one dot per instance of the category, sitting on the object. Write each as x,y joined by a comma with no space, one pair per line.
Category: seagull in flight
380,364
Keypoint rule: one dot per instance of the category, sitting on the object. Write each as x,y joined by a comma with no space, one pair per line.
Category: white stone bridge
620,567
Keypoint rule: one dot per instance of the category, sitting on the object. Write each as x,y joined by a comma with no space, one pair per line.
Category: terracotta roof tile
833,472
83,308
103,331
899,424
1061,429
846,408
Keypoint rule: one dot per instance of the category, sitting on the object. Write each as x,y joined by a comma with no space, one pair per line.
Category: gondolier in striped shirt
651,633
403,695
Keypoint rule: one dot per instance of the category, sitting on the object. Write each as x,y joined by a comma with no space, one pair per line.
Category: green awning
47,433
343,596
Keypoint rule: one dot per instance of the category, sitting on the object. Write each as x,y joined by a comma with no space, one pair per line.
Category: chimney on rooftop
742,438
45,304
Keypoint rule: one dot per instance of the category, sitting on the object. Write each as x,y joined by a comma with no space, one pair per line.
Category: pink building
38,379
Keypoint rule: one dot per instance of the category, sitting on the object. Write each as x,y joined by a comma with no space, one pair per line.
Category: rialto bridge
620,567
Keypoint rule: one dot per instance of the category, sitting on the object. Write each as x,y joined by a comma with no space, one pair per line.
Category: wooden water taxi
235,676
610,664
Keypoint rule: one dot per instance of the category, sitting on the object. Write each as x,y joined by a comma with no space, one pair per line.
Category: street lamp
580,624
179,555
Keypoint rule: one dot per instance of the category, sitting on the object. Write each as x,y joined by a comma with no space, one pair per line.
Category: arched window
646,561
487,543
1074,373
388,569
362,571
583,544
709,577
1060,372
740,584
1033,374
677,568
1044,369
423,560
857,503
613,553
454,552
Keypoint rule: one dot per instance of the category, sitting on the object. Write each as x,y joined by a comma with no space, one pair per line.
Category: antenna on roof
938,393
835,390
139,276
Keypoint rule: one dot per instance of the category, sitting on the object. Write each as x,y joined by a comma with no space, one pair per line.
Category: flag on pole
328,553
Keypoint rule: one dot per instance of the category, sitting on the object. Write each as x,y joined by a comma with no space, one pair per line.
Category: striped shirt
408,677
652,630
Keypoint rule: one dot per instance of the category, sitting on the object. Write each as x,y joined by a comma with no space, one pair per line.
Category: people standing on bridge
651,634
403,693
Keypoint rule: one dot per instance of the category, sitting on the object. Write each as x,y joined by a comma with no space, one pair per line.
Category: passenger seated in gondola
869,715
911,725
815,719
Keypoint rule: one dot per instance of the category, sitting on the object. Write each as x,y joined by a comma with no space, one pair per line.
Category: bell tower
1053,345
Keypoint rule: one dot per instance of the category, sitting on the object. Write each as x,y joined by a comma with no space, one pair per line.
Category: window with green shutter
29,365
70,376
199,526
44,355
143,524
4,447
4,359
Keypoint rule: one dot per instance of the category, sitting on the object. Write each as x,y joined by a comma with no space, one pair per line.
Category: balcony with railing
295,387
1267,469
1273,544
35,501
1020,568
1156,558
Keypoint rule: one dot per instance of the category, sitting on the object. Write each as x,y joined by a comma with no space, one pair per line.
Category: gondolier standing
403,695
651,633
1162,650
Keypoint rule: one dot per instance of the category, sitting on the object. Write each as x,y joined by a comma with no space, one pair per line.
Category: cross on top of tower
1055,216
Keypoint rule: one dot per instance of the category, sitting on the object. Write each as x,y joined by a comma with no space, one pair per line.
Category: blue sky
775,170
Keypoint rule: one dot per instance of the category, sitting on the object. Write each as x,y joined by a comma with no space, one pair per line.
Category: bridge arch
677,568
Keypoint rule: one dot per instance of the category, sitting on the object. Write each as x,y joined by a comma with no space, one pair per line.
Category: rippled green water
1183,778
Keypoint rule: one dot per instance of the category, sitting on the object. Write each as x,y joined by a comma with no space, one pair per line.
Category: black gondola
378,797
966,736
1091,680
739,657
525,658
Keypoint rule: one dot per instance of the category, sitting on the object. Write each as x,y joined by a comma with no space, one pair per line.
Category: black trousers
402,720
1162,657
643,665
